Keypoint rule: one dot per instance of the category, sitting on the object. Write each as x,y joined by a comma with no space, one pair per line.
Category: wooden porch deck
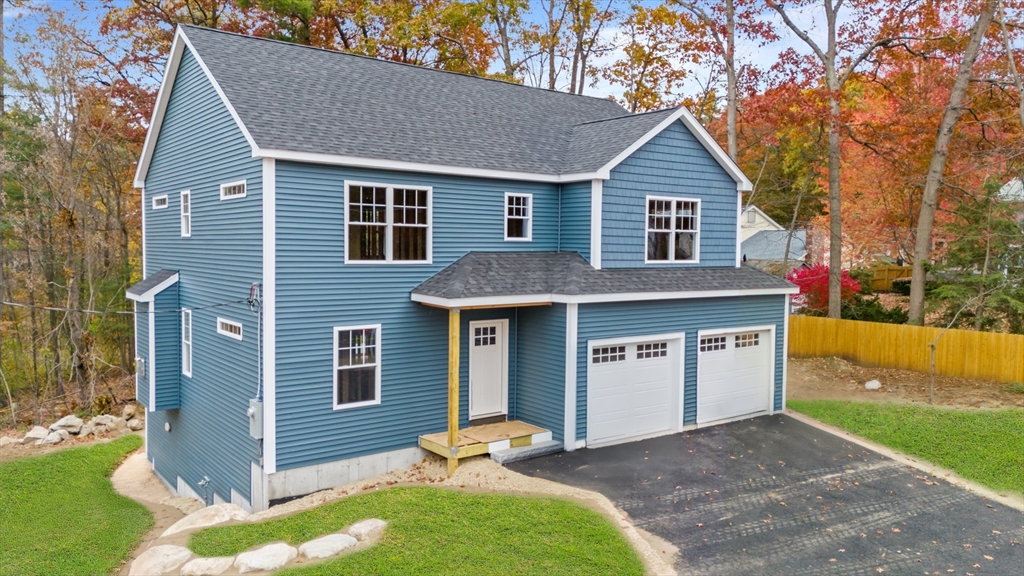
486,438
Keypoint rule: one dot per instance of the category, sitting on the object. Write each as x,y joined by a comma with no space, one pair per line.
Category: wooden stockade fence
965,353
884,275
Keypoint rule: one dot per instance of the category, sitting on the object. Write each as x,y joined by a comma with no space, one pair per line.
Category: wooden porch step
477,440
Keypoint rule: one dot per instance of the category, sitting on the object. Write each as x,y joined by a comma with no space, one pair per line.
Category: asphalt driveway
773,495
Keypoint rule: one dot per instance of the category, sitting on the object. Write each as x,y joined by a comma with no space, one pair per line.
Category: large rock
103,420
159,560
35,435
135,424
207,566
64,434
86,430
327,546
104,423
367,529
6,441
270,557
209,516
52,438
129,412
71,423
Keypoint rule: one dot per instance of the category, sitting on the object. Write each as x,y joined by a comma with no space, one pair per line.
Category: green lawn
986,446
59,513
434,531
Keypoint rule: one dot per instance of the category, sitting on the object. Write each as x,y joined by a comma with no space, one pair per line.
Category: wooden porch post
453,389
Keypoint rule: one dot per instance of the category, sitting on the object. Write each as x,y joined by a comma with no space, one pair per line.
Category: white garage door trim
771,358
679,338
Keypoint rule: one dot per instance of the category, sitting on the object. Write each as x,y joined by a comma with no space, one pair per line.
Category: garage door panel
734,381
631,397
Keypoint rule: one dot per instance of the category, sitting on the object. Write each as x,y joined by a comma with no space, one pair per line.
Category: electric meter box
255,413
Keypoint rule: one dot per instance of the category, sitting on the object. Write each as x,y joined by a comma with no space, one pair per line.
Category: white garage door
632,390
734,375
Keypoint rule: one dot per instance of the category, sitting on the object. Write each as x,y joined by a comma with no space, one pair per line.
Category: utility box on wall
255,413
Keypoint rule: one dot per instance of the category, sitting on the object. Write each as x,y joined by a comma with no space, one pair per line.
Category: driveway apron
773,495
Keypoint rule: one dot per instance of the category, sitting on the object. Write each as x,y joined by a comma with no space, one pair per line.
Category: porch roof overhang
149,287
500,279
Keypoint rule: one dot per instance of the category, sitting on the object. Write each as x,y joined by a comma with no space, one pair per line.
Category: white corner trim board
596,214
571,349
269,182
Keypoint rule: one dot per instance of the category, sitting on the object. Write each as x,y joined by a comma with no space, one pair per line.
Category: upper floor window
186,214
229,328
232,190
387,223
160,202
518,217
356,366
673,229
186,342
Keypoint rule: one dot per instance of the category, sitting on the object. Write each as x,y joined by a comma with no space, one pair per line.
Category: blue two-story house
343,256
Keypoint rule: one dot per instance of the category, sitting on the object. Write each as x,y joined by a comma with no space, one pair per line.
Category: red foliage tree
813,284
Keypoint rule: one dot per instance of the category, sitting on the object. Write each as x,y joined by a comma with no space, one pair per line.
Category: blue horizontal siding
673,163
541,383
575,226
620,320
200,147
167,325
316,292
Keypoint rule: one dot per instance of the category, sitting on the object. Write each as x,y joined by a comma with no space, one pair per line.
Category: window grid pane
748,340
655,350
485,336
356,365
712,343
609,354
369,229
672,230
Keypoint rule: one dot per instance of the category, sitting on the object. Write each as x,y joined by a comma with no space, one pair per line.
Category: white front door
735,375
488,368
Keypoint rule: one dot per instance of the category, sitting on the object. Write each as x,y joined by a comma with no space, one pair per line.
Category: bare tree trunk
929,198
730,73
3,68
835,220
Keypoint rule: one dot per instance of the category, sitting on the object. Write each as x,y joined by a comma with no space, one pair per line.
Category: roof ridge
383,61
626,116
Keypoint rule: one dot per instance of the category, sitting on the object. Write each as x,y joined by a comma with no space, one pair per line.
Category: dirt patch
837,379
15,451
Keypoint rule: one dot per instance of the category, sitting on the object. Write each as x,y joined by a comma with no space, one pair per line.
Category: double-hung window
356,366
673,229
186,214
387,223
186,342
518,217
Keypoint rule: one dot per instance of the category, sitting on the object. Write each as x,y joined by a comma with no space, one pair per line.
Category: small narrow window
186,214
232,190
655,350
518,217
356,366
160,202
751,217
712,343
747,340
229,328
672,230
186,342
485,336
609,354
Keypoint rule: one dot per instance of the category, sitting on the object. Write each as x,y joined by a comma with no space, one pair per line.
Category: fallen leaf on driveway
975,565
832,560
879,569
987,557
896,530
996,532
967,546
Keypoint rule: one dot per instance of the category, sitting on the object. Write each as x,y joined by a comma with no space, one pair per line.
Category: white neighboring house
754,220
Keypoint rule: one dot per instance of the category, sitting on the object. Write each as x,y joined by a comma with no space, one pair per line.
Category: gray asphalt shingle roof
147,284
771,245
303,99
485,274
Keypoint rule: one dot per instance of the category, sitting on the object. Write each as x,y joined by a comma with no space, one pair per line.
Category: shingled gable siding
317,291
673,163
142,351
199,148
168,349
575,229
540,386
598,321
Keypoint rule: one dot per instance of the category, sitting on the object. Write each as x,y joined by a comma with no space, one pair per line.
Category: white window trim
186,194
245,190
390,217
231,323
335,367
161,197
529,216
672,251
191,338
